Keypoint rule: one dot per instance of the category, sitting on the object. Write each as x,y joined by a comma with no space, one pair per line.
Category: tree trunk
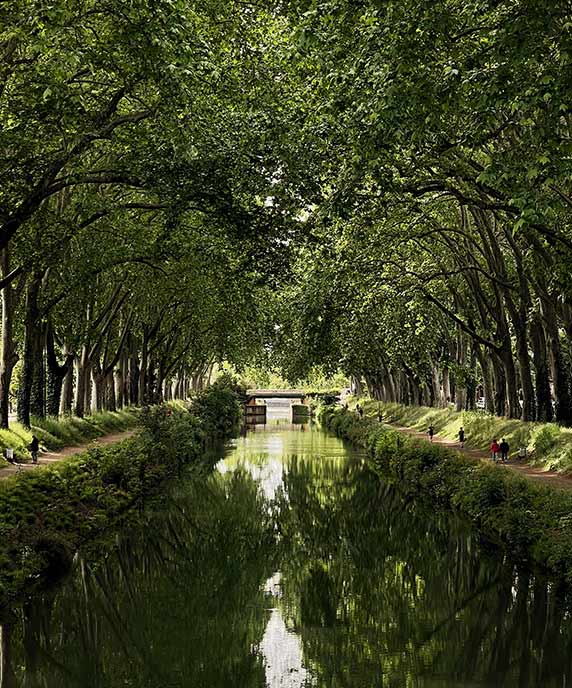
143,383
544,412
56,374
66,402
499,378
356,385
109,398
38,396
32,351
82,382
560,376
484,360
8,356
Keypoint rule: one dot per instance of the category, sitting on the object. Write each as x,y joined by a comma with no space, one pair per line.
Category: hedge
46,514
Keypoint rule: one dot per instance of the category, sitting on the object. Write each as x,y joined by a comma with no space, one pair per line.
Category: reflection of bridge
276,394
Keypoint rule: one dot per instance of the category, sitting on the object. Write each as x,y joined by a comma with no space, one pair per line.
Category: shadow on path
48,458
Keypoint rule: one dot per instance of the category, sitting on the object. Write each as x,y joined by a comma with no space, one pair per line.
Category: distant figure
34,448
495,450
380,417
461,437
359,409
504,450
431,432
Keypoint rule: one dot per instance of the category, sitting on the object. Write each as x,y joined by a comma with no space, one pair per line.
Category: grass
56,433
548,445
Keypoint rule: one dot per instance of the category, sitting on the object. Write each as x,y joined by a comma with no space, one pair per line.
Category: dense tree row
381,186
444,227
137,154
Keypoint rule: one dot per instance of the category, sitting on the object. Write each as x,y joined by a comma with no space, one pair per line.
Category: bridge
275,393
256,413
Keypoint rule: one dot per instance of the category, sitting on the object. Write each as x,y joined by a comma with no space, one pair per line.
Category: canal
289,565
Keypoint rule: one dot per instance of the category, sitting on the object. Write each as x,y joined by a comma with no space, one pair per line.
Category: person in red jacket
495,448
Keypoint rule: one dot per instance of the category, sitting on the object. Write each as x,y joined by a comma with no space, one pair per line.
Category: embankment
531,522
45,515
549,445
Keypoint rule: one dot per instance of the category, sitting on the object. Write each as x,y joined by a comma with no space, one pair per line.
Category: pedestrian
494,450
359,409
504,450
431,432
34,448
461,437
380,417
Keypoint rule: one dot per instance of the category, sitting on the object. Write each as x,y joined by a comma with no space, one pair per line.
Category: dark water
290,566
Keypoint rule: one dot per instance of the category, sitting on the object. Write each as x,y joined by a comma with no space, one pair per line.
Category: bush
46,514
219,407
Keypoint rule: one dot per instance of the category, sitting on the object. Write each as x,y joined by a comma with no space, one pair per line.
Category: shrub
218,408
46,514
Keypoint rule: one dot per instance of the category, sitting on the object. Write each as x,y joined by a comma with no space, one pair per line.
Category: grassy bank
56,433
532,522
46,514
548,445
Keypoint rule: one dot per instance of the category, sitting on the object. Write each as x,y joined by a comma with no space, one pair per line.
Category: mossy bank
531,522
46,514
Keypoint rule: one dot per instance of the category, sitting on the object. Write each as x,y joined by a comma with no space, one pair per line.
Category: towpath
550,478
49,458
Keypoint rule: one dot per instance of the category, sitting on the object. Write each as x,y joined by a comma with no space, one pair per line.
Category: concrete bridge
276,394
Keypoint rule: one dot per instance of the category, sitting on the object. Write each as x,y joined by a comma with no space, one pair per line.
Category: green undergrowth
532,522
548,445
56,433
46,514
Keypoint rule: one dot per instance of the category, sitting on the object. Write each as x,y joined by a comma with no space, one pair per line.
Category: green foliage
545,439
300,410
54,509
219,407
532,522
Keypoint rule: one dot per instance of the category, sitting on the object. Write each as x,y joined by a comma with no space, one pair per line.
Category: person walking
504,450
359,409
431,432
461,437
34,448
495,450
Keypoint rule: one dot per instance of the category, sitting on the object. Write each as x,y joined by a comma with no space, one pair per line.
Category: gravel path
49,458
544,477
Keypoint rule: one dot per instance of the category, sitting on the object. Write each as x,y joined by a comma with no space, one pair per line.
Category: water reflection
290,566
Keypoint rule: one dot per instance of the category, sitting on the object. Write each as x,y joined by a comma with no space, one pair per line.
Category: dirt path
49,458
550,478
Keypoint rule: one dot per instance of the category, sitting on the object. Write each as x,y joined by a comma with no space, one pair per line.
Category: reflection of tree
415,595
178,602
381,591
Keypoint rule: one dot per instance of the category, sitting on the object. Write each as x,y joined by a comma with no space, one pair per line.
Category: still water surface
290,566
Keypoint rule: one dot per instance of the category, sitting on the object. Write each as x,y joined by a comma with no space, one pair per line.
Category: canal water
290,565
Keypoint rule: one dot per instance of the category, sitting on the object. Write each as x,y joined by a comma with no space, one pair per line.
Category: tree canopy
381,188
